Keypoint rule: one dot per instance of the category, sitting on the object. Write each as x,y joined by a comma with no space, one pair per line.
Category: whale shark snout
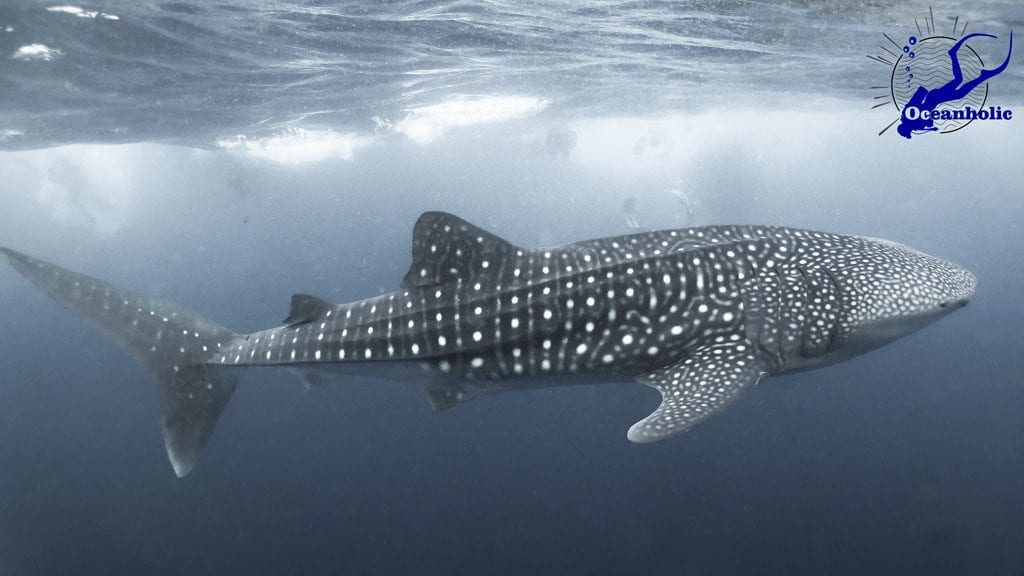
954,286
966,283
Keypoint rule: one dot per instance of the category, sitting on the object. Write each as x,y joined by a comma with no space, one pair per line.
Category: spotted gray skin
700,314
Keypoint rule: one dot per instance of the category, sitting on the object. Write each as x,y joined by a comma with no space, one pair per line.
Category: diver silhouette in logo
925,100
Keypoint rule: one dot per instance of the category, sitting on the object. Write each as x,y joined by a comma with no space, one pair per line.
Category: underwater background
225,155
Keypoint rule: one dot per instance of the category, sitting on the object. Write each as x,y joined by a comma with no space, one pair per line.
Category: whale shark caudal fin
172,342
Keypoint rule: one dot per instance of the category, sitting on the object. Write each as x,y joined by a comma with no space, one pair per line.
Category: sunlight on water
424,124
298,146
76,11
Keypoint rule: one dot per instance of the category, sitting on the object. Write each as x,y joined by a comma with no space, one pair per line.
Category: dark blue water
905,461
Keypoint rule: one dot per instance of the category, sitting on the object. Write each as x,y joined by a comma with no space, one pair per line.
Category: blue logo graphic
938,83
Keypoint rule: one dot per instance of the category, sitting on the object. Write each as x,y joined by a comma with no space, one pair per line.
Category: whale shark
700,314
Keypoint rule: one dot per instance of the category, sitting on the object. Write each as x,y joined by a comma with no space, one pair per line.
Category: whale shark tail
172,342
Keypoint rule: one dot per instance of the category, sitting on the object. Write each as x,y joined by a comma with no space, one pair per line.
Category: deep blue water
904,461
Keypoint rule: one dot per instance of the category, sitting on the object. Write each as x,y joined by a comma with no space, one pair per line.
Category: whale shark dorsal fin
446,248
306,308
696,388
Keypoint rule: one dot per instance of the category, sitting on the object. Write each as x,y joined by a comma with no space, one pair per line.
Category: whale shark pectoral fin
697,387
446,248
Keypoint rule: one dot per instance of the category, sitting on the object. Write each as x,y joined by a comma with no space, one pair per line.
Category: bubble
907,69
911,75
911,54
913,40
906,49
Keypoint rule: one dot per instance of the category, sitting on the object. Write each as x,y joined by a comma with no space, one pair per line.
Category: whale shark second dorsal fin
306,308
446,248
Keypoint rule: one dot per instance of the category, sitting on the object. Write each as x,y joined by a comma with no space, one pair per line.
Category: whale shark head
890,290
